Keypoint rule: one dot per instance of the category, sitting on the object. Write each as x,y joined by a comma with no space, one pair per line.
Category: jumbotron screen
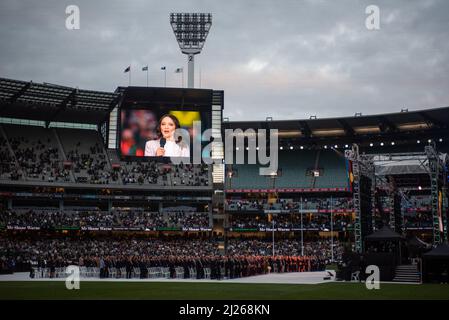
163,123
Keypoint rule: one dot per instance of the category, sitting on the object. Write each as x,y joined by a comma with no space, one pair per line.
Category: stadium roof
355,126
51,103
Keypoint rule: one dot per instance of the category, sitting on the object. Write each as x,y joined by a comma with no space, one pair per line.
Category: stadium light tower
191,30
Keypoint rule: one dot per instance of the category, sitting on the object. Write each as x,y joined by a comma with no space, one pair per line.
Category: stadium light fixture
441,140
429,141
336,146
325,147
381,144
291,148
281,148
418,142
392,143
301,147
346,146
371,144
191,30
419,188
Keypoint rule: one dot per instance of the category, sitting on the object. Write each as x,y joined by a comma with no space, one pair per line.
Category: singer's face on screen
168,128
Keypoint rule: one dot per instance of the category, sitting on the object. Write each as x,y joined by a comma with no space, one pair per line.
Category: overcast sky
284,59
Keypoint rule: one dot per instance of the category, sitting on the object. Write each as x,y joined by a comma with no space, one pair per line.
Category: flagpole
165,77
182,78
147,76
129,80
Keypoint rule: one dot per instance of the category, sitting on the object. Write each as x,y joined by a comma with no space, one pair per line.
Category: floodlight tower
191,30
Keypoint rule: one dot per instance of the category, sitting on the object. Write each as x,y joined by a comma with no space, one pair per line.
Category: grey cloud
273,58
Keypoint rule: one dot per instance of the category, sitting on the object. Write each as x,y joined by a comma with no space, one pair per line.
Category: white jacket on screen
172,149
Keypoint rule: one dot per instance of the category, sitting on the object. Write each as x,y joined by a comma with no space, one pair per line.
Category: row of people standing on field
218,267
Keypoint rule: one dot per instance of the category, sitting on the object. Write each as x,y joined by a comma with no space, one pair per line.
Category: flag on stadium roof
162,68
145,68
178,70
127,69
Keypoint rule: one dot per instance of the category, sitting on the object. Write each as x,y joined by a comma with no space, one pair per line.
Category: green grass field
208,291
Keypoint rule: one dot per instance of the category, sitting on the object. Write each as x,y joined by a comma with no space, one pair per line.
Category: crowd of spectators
288,247
50,219
317,221
21,254
289,205
140,173
418,220
90,164
8,169
39,160
189,174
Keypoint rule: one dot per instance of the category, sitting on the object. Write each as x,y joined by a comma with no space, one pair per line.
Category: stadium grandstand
68,195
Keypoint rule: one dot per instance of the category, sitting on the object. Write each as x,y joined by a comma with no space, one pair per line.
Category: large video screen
163,123
151,132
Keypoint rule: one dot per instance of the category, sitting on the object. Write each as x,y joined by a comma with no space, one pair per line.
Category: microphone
162,142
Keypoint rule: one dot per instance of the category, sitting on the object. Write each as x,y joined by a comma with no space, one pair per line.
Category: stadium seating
135,219
295,169
37,153
84,149
247,177
79,156
290,205
294,166
333,170
317,221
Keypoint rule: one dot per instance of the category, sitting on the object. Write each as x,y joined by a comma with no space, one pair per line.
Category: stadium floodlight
191,30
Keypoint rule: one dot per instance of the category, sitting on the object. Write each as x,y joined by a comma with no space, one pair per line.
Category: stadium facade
64,174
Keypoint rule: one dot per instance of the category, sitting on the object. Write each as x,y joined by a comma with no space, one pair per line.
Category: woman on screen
166,146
